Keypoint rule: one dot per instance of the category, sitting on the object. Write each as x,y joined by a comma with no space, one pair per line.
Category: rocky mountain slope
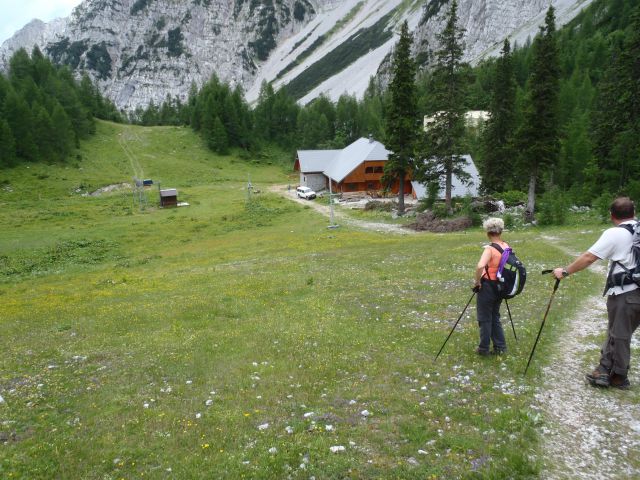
140,51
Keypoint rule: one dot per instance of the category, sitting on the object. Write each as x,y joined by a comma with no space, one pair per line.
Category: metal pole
330,204
511,319
555,287
456,324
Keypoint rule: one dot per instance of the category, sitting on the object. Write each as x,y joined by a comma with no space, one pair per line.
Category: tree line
44,111
563,111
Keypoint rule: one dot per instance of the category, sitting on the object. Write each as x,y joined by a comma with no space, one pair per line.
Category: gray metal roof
313,161
458,189
353,155
169,192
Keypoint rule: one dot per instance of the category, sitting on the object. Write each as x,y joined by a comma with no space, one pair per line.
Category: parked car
306,193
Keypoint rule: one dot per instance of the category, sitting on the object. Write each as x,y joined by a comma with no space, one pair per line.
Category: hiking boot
482,353
598,378
619,381
499,351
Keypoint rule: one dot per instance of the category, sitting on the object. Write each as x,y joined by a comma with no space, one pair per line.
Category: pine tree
401,116
63,137
18,115
449,83
7,145
539,136
616,120
218,140
497,139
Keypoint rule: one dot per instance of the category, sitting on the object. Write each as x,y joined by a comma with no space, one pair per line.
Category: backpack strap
622,278
486,267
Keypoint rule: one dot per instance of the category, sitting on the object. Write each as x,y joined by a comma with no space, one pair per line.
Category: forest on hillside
44,111
594,151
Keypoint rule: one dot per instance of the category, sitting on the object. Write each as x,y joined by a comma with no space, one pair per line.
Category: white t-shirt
615,245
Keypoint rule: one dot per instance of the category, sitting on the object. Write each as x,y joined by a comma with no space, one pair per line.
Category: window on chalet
368,170
352,186
378,169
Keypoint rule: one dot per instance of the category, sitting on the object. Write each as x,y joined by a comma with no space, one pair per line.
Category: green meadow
239,337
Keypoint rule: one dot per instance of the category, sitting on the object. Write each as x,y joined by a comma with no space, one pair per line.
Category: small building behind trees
459,187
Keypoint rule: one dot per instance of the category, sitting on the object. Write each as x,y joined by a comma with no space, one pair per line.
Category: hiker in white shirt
623,295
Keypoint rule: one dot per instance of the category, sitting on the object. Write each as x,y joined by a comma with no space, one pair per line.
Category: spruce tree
616,120
443,139
7,145
218,140
539,136
401,116
497,139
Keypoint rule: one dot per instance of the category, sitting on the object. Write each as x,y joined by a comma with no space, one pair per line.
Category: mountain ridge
141,51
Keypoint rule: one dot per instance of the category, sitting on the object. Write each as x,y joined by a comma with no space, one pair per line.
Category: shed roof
169,192
458,188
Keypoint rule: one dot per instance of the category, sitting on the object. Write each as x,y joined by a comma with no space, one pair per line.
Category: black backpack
627,277
511,275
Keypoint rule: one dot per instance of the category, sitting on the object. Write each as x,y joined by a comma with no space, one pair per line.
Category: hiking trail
587,432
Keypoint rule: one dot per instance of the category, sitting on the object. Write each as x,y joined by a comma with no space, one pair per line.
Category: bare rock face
142,51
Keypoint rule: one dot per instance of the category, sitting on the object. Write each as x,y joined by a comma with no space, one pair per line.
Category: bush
553,207
601,205
513,198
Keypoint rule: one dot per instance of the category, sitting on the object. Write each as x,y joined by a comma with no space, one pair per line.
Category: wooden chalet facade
357,168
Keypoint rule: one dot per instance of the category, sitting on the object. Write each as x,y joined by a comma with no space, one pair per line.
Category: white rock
337,448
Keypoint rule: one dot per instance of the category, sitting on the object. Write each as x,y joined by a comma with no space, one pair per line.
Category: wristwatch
565,273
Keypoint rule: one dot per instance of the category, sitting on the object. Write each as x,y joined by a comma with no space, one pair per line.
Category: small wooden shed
169,197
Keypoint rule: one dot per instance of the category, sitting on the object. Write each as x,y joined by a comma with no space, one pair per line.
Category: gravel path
339,216
588,433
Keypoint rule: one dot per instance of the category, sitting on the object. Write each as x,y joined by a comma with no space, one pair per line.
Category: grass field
243,339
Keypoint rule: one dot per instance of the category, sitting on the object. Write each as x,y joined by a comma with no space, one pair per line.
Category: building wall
315,181
367,176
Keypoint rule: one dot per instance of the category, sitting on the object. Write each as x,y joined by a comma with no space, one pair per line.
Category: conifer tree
7,145
449,83
63,138
401,116
539,136
616,121
497,139
218,140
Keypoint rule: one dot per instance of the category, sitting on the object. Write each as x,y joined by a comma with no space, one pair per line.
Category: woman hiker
486,287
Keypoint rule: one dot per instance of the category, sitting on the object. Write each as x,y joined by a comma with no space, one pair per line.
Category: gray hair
493,225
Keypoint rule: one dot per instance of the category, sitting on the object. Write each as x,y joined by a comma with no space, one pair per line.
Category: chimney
370,138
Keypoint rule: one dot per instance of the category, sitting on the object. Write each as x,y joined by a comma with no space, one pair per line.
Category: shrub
512,198
601,205
553,207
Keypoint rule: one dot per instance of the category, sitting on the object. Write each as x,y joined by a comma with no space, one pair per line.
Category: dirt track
339,216
588,433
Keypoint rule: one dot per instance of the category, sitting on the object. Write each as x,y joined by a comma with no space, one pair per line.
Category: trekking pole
555,287
511,319
456,324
